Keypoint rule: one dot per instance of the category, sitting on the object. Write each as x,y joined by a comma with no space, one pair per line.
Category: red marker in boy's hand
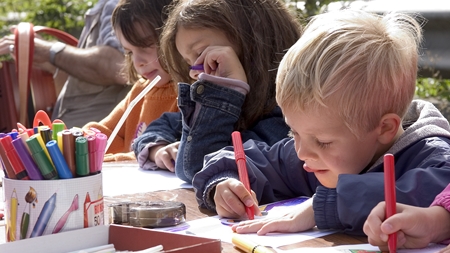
389,195
242,167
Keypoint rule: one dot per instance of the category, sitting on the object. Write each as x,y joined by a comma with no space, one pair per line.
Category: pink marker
92,149
101,146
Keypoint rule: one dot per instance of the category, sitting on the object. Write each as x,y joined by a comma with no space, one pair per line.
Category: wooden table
193,212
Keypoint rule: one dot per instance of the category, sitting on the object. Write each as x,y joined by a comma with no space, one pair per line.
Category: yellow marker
59,139
13,216
247,245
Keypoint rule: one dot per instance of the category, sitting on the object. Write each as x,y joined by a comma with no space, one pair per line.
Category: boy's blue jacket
422,164
207,117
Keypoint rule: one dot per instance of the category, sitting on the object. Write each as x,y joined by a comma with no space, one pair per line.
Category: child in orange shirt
137,24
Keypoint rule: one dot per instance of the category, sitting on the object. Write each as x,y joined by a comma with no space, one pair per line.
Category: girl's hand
231,198
222,61
165,155
298,220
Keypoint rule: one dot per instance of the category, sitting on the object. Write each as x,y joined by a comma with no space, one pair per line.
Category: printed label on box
40,207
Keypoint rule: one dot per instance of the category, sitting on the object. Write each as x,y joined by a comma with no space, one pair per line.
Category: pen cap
9,172
46,133
41,159
13,135
92,147
58,160
81,156
248,245
77,132
101,140
69,149
56,128
24,137
30,166
13,157
237,144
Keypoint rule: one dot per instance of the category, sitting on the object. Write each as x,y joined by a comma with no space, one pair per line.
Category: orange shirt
157,101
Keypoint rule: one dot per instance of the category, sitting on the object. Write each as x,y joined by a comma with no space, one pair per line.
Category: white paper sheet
128,178
362,248
220,228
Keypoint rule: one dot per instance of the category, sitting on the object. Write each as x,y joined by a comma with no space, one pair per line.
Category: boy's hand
231,198
415,226
164,155
298,220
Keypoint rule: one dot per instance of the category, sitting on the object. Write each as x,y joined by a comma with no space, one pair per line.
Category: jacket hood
427,121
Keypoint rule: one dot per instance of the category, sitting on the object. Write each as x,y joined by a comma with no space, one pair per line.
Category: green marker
81,156
56,128
41,159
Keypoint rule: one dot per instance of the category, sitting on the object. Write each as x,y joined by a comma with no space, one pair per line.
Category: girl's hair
262,30
357,64
140,22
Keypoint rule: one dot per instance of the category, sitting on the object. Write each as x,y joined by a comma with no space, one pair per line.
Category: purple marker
197,67
24,155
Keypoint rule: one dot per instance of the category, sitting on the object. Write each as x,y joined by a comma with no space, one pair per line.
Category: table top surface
193,212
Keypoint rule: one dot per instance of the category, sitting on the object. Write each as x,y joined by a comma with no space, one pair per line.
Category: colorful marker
41,159
9,172
390,198
24,155
56,128
58,160
69,150
13,157
101,146
242,167
196,67
92,148
42,143
44,216
81,156
24,137
46,133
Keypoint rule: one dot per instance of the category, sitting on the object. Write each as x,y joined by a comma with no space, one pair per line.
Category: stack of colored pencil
51,152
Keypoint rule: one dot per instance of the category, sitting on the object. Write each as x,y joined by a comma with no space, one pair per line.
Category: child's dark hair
262,30
140,22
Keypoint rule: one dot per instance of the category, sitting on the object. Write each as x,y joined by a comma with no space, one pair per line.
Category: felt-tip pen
197,67
68,141
58,160
390,198
41,159
242,167
13,157
81,156
30,166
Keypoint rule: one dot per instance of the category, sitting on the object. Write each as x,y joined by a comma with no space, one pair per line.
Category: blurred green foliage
429,87
66,15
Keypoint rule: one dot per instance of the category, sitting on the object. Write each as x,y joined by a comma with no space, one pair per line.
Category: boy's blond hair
357,64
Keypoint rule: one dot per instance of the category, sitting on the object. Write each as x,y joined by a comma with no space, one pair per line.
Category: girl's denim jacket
208,113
